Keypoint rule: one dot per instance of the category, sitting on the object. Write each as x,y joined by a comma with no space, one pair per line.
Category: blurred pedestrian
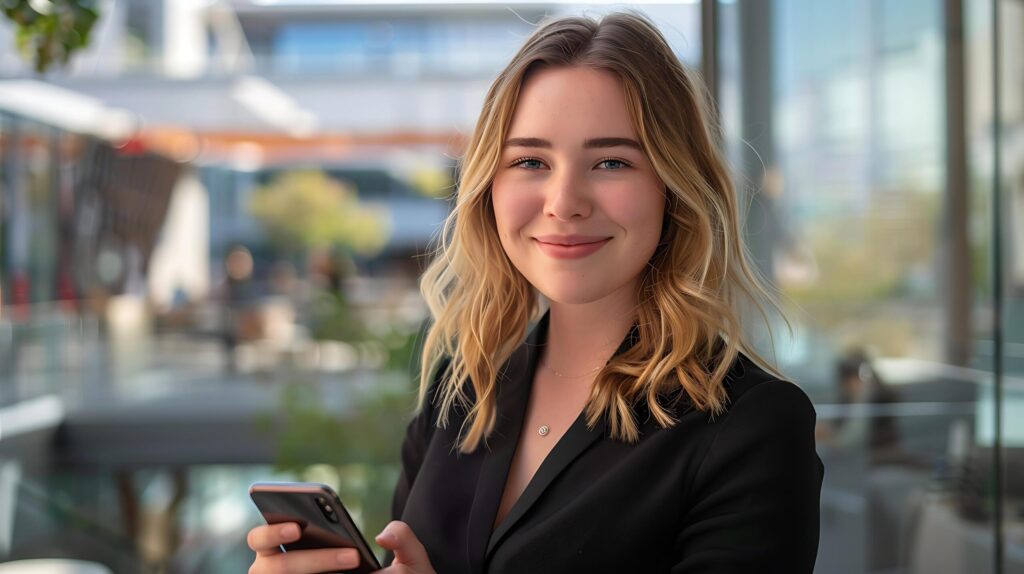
238,268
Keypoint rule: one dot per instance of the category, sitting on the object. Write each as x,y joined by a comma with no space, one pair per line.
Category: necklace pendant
543,431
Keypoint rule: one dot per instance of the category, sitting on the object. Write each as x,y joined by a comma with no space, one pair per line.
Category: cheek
641,215
513,210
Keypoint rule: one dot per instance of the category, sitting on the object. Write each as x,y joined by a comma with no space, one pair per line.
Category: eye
530,163
613,164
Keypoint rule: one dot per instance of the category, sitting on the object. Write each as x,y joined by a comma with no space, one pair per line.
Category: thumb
400,539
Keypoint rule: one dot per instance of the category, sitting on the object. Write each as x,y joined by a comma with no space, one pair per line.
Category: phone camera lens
326,509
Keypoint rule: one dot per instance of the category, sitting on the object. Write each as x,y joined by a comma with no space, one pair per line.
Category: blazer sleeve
755,498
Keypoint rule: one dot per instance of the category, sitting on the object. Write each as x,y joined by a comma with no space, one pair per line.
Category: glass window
880,238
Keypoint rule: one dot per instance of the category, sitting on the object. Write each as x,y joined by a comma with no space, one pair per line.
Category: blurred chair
53,566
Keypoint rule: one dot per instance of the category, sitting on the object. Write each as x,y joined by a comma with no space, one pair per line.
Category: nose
567,197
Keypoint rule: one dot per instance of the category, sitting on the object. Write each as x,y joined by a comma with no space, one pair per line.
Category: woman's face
578,205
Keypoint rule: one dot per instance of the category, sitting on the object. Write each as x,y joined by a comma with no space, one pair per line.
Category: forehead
571,103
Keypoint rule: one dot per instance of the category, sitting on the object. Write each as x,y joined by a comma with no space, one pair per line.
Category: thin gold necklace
544,430
561,376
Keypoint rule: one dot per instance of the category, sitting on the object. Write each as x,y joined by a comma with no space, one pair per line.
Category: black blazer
736,494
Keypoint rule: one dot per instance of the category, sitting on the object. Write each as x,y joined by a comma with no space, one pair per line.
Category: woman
630,431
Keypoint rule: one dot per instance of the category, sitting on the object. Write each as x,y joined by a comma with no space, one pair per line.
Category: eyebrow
592,143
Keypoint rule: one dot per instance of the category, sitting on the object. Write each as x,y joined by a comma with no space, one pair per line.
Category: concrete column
757,130
186,47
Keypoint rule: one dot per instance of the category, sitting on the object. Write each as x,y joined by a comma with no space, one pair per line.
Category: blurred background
213,214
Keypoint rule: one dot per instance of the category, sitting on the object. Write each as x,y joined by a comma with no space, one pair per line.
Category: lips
570,246
569,240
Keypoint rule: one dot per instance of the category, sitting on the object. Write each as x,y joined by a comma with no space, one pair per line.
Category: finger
310,561
399,538
266,539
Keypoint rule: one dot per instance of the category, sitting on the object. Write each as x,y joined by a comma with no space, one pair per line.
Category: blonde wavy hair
689,295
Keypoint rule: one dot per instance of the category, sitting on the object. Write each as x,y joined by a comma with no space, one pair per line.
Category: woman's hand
265,541
410,556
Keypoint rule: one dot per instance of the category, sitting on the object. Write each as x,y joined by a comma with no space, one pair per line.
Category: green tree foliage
875,272
50,31
360,448
870,257
304,210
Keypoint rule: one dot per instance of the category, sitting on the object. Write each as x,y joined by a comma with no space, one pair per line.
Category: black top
736,494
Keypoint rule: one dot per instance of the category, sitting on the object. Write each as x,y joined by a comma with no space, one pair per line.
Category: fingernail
290,531
347,558
386,536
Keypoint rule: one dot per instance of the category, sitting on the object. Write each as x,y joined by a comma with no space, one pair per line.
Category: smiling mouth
574,244
570,239
571,251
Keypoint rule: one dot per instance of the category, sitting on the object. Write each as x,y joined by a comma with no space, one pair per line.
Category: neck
583,336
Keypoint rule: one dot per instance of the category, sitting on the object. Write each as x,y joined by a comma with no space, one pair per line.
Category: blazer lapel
513,396
575,440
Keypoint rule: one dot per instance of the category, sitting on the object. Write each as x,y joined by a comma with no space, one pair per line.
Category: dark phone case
296,502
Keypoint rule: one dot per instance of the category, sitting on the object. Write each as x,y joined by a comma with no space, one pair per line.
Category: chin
572,295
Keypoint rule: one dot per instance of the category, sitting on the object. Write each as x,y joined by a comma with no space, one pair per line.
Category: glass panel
5,201
6,329
872,211
1009,117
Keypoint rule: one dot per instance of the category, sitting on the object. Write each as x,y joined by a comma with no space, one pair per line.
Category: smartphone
322,518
